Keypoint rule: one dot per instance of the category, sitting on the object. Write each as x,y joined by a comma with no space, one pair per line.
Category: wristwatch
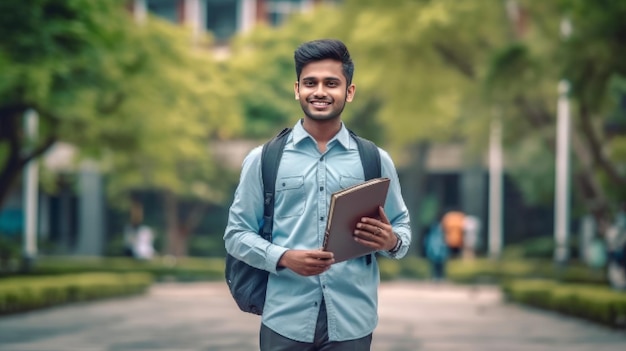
398,245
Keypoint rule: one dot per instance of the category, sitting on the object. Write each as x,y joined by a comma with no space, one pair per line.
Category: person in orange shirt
452,223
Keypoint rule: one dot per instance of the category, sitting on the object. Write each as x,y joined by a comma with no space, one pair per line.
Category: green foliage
483,270
161,268
9,251
145,101
264,77
540,247
536,182
528,74
185,101
417,67
25,293
207,246
388,269
413,267
599,304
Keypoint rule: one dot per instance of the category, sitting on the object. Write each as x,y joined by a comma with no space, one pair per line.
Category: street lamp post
562,174
30,191
562,178
495,187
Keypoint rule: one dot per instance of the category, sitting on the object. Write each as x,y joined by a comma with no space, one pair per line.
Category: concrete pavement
203,317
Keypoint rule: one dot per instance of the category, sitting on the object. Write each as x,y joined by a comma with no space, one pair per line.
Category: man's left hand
375,233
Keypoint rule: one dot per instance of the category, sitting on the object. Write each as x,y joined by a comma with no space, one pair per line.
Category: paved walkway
414,316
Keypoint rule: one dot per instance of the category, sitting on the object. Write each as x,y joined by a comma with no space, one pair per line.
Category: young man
311,303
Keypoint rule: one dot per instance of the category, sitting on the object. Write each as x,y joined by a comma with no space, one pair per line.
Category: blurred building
223,18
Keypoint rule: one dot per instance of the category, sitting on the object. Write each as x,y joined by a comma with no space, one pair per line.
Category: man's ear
295,90
350,93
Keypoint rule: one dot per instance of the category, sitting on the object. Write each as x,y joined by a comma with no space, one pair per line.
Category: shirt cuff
274,253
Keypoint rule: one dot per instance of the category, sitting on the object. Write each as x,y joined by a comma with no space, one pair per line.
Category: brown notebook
347,206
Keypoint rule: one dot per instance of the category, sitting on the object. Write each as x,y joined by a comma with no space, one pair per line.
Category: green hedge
481,270
25,293
596,303
484,270
162,268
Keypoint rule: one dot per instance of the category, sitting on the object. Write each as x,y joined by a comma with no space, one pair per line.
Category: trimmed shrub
162,268
389,269
596,303
26,293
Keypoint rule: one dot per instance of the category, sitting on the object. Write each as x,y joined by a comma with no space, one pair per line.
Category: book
347,207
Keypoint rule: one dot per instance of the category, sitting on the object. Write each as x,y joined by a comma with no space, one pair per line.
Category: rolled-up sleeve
395,207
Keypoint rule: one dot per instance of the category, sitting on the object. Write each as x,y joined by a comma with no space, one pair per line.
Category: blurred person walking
436,250
471,236
453,229
312,303
138,237
616,246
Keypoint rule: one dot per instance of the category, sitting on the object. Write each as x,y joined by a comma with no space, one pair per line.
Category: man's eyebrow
325,78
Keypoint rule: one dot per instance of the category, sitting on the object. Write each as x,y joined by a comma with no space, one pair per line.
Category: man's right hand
307,262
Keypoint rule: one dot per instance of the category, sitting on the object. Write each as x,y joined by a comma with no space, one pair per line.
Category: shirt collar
343,137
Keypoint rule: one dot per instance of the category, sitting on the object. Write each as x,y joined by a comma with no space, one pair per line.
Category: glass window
167,9
279,10
221,18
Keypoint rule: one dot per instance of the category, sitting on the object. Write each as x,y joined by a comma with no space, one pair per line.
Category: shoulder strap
370,157
270,159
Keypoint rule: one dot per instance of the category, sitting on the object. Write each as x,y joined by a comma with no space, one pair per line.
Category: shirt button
321,218
321,188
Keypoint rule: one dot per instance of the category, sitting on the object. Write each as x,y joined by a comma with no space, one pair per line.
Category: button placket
321,199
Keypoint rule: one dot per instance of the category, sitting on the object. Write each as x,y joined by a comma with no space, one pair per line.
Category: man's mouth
320,103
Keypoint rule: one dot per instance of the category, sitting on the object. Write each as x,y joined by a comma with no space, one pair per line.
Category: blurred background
119,114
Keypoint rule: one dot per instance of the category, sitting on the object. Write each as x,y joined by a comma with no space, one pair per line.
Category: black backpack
248,284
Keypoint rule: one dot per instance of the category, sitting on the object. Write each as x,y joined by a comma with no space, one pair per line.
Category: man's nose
319,90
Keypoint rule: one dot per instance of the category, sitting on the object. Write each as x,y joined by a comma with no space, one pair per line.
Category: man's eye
332,84
308,84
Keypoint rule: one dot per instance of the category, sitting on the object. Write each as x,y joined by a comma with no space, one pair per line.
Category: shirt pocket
290,197
348,181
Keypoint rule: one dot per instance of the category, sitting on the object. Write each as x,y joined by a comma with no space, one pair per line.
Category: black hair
323,49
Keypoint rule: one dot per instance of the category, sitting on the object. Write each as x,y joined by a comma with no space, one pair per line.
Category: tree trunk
172,242
17,156
10,134
179,231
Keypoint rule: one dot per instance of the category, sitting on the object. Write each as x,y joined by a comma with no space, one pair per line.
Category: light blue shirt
306,178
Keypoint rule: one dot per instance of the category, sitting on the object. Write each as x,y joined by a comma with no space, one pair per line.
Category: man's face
322,90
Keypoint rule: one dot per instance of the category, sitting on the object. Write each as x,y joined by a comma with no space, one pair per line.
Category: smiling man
312,303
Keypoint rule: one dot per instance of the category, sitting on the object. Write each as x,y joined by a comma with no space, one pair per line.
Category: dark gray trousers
272,341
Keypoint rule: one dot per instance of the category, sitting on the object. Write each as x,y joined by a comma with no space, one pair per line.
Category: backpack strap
270,159
370,159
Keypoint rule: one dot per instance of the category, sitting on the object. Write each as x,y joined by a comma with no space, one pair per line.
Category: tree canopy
440,71
137,96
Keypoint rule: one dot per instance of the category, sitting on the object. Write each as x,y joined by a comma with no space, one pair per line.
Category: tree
434,71
191,98
526,74
137,98
56,66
